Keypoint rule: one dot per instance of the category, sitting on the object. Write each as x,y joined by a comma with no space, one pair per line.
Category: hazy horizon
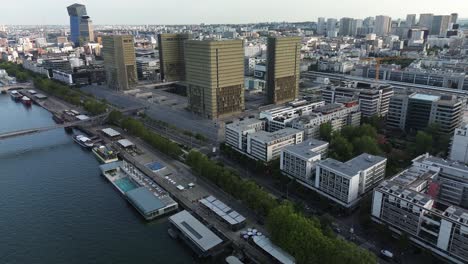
178,12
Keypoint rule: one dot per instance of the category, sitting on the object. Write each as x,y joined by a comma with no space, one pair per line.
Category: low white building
237,131
346,182
459,151
298,161
266,146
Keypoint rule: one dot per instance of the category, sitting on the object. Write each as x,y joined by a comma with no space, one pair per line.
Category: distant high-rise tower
383,25
215,77
171,56
346,26
331,25
410,20
425,20
81,29
283,59
440,25
321,26
453,18
119,61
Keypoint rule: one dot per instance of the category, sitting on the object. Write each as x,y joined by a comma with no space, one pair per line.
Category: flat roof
279,254
40,96
82,117
353,166
222,210
144,200
198,233
125,143
110,132
265,136
305,149
425,97
155,166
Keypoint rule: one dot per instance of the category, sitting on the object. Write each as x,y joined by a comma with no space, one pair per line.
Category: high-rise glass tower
80,24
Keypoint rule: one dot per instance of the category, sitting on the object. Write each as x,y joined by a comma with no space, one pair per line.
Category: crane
378,61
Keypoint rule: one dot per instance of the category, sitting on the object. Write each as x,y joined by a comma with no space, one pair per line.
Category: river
55,207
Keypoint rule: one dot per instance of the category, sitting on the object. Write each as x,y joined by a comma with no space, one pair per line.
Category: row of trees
137,128
55,88
301,236
71,96
15,70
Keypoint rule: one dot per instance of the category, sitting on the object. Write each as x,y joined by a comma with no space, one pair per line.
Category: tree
340,148
423,143
115,117
366,144
325,131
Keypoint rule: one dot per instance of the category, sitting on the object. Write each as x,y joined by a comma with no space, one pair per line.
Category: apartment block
266,146
298,161
172,56
408,204
338,115
346,182
215,77
119,61
283,61
415,111
279,117
373,100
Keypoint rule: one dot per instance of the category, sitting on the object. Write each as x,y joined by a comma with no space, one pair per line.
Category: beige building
215,77
119,61
171,56
283,59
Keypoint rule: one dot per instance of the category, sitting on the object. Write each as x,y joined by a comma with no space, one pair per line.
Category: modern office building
459,150
119,61
383,25
215,77
440,25
346,182
298,161
373,99
425,21
321,26
237,131
331,25
454,18
81,29
346,26
147,68
410,20
415,111
266,146
409,205
172,56
283,61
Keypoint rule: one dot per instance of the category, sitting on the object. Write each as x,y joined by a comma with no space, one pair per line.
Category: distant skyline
48,12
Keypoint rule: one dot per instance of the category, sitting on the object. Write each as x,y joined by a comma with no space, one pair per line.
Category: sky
47,12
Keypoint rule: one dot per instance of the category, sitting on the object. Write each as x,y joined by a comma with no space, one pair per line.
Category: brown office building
119,61
215,77
171,56
283,59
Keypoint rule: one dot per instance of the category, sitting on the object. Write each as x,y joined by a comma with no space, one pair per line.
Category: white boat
83,141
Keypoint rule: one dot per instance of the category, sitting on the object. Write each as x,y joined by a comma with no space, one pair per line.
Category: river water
55,207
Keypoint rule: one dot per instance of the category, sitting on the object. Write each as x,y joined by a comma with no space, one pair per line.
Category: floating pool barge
148,198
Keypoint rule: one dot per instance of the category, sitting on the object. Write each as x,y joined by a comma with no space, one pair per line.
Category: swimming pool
125,184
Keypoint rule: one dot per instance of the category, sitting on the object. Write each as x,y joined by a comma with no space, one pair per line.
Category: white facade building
266,146
459,151
346,182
